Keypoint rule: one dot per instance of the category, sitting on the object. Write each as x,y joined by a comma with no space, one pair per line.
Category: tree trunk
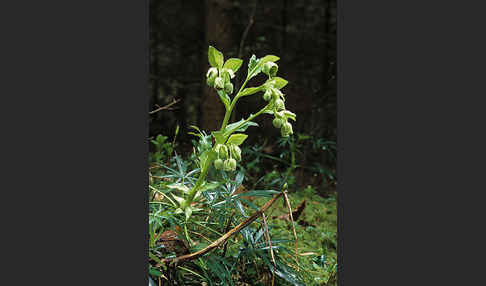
218,35
154,68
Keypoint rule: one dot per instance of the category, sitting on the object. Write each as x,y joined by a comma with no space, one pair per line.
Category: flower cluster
220,79
275,96
228,154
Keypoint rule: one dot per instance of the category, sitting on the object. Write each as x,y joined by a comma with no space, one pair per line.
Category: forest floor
316,229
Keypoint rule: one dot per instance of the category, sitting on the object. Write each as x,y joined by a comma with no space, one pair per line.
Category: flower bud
267,95
228,88
286,129
235,152
229,164
218,164
223,152
211,76
279,104
270,69
277,122
219,83
210,81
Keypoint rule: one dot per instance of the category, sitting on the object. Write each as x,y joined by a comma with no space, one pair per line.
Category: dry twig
293,227
267,236
164,107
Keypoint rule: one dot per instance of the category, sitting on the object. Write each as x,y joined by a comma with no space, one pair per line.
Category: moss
316,230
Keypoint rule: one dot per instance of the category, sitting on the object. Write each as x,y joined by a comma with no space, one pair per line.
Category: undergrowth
218,217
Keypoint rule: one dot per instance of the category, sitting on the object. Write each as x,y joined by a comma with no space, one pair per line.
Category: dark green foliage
247,258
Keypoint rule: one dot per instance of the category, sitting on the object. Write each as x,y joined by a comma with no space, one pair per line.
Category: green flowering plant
186,202
226,151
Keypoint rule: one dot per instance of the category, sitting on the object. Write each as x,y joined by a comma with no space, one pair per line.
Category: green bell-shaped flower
279,105
286,129
211,76
230,164
270,69
228,88
235,152
219,82
277,122
223,152
218,164
267,95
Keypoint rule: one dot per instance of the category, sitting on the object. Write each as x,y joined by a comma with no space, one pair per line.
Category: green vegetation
220,216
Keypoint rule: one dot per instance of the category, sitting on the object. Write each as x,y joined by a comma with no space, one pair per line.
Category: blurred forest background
302,33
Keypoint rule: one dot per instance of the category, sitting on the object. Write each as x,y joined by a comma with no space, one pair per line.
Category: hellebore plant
224,153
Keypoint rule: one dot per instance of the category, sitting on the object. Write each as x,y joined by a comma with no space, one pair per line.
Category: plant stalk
209,162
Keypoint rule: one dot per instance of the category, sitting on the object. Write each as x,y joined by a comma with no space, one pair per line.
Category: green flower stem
209,162
200,180
254,116
232,105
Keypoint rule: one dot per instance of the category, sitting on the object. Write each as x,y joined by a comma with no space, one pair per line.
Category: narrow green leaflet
179,187
154,272
234,127
237,139
251,90
234,64
209,186
257,193
215,57
188,212
178,199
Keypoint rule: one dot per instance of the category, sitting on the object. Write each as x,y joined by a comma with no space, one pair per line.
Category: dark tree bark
218,34
154,68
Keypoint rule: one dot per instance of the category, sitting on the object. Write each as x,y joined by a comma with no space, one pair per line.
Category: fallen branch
165,106
225,237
